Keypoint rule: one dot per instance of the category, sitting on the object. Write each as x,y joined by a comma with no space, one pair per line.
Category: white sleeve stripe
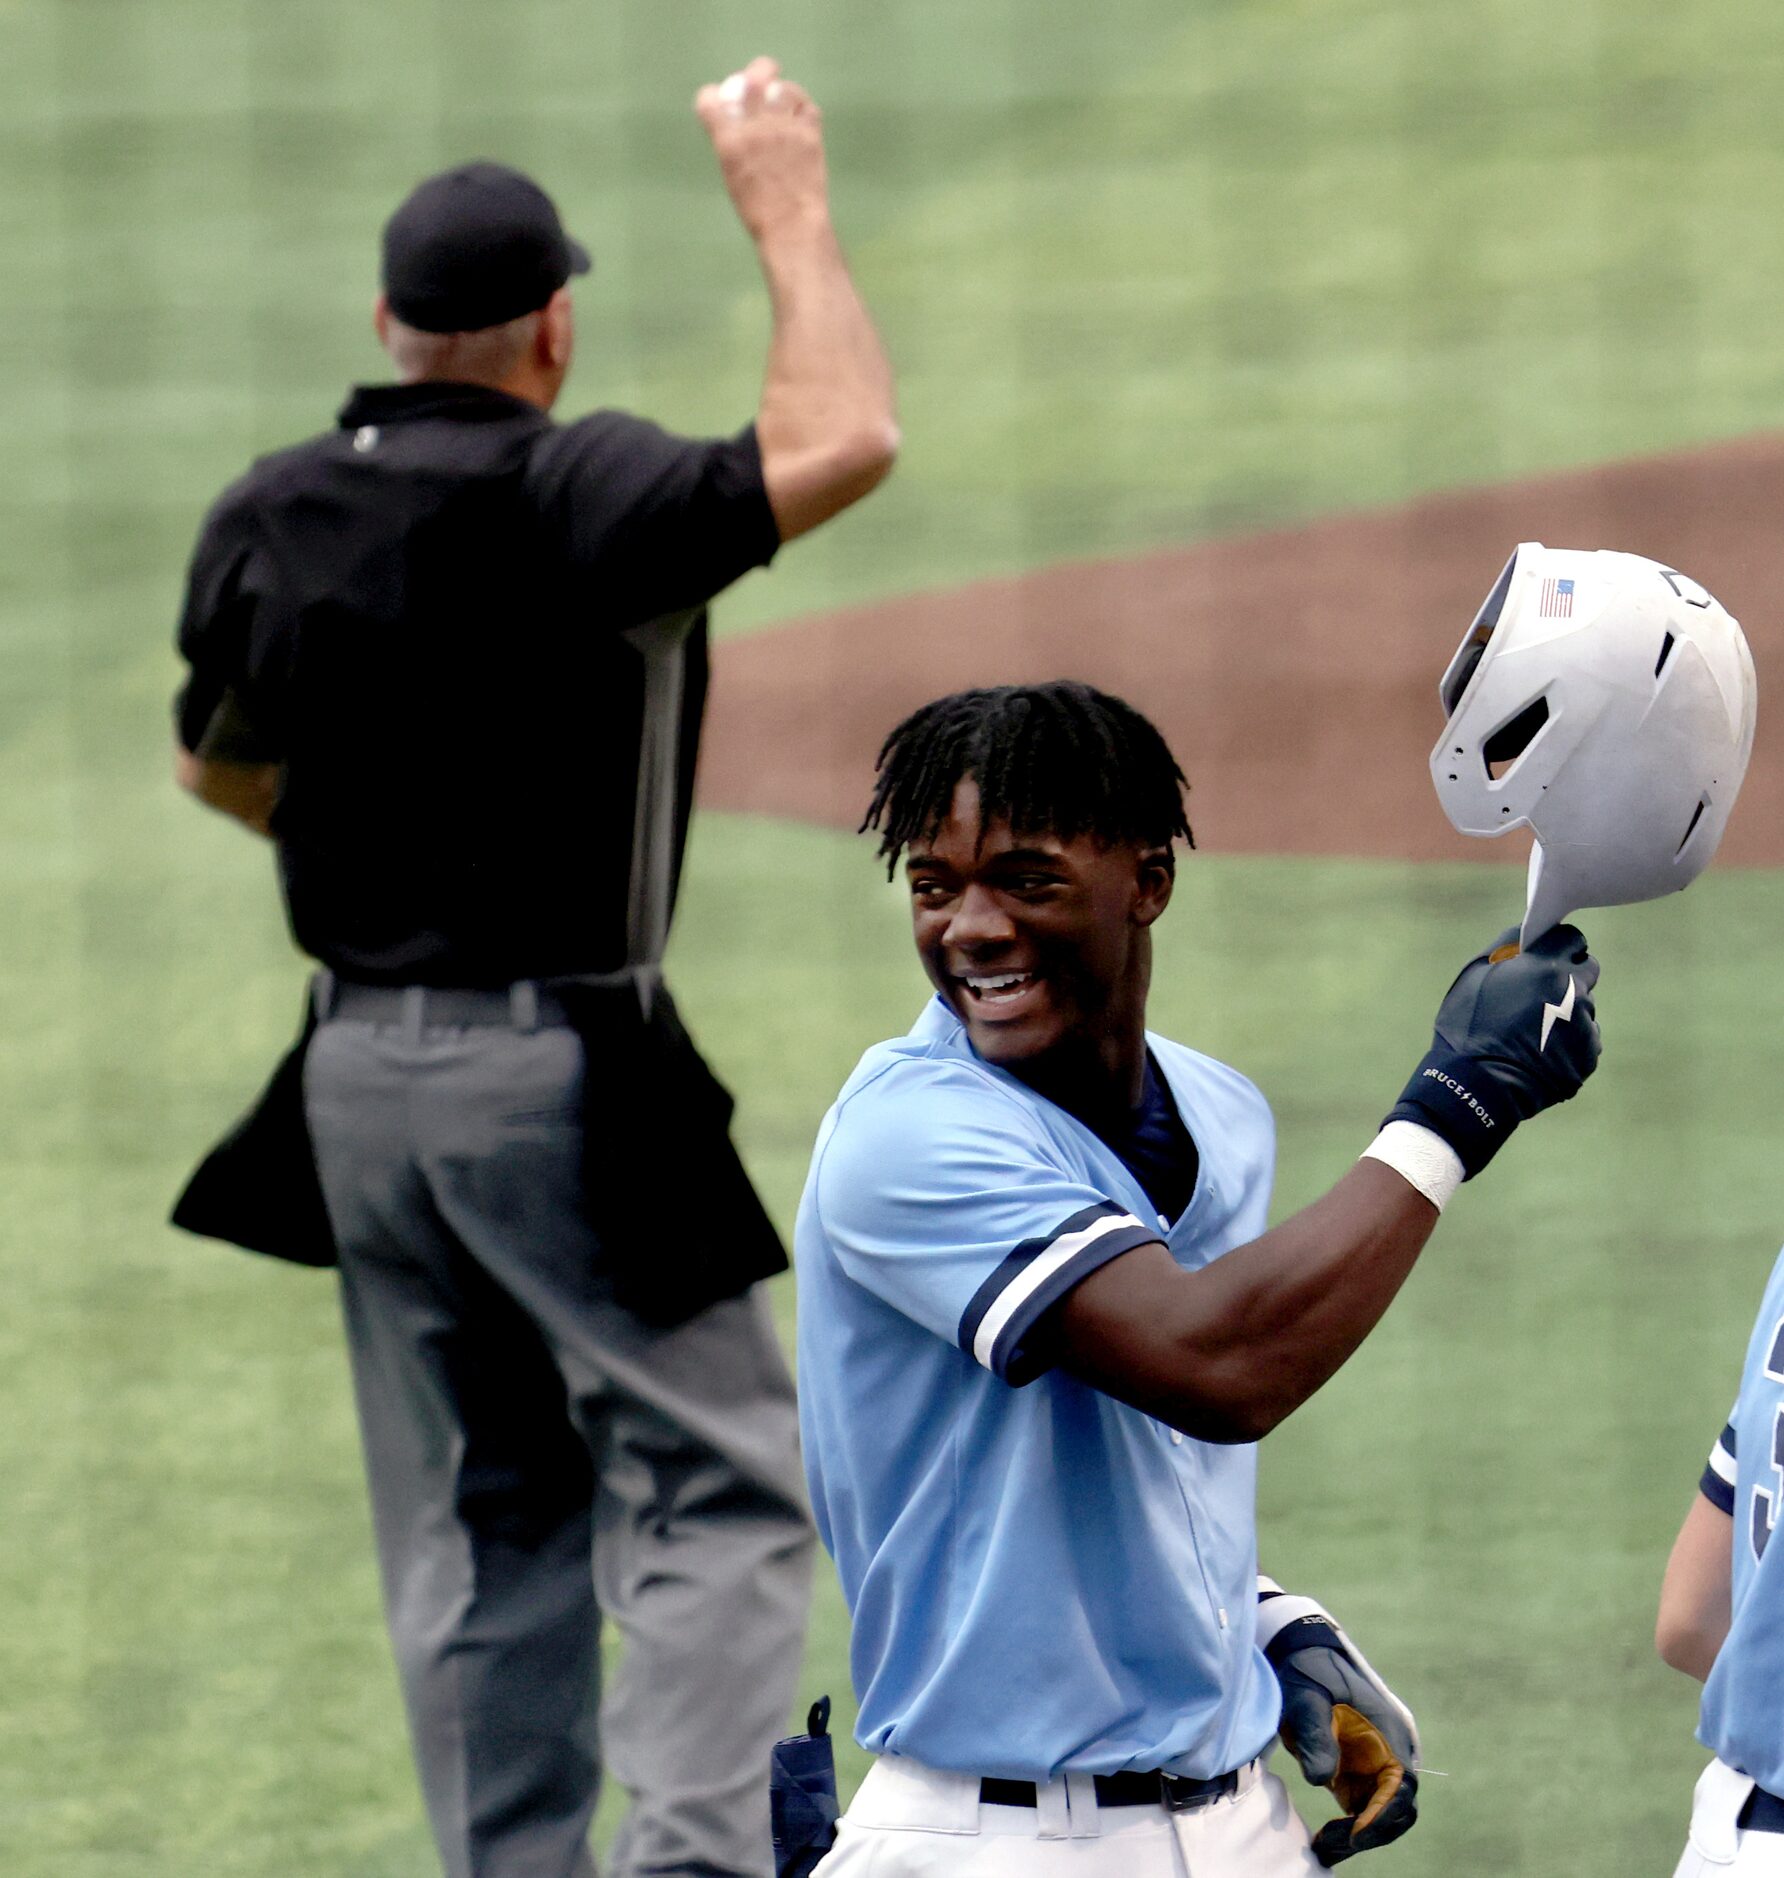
1012,1359
1722,1464
1030,1277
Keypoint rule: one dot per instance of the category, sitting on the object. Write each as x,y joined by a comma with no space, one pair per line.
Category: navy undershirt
1156,1148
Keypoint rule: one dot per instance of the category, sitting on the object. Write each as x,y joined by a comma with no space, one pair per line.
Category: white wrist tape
1420,1157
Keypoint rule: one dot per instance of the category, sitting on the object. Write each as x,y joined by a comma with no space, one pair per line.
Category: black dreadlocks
1059,759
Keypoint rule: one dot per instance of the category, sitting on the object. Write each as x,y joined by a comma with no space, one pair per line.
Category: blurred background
1149,280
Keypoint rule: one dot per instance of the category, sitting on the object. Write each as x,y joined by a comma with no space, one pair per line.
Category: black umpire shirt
431,617
476,641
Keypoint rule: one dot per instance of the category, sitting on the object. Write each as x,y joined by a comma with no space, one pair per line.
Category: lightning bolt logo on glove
1553,1014
1492,1064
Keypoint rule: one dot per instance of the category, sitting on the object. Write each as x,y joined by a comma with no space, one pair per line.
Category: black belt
1177,1793
1764,1812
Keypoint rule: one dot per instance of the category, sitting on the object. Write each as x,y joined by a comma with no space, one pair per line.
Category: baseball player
1042,1326
1722,1619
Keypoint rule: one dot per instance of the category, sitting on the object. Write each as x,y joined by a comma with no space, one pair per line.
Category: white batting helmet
1607,703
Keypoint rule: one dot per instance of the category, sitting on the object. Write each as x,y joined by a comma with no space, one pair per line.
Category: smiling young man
1041,1325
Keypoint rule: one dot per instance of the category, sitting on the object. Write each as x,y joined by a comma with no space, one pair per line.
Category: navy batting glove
1343,1724
1516,1033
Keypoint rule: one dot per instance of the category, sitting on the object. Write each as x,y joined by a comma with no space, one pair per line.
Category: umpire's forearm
827,424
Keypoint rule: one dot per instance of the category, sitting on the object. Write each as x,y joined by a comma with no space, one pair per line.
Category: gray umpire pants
538,1459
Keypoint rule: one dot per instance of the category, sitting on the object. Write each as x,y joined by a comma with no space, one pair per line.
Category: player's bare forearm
246,792
1696,1595
1226,1352
827,424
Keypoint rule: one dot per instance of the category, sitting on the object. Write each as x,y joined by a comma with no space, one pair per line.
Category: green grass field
1146,279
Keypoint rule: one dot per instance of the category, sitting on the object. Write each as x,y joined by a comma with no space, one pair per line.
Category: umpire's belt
521,1006
1177,1793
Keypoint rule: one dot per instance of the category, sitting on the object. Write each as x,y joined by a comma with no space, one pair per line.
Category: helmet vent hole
1703,802
1513,738
1666,646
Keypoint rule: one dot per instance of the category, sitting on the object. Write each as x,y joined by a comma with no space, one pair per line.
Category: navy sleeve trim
1718,1481
1036,1275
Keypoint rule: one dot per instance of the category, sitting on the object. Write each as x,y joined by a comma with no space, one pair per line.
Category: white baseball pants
909,1821
1717,1847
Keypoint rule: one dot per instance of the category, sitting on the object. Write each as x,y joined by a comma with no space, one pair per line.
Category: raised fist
769,139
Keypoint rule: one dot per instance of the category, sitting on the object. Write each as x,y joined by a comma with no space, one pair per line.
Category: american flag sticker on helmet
1557,599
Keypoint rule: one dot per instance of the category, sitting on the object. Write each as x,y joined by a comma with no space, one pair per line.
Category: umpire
450,656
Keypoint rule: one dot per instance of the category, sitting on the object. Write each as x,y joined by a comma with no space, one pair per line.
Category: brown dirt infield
1294,671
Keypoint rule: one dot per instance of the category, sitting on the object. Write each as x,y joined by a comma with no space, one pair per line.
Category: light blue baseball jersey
1742,1718
1040,1577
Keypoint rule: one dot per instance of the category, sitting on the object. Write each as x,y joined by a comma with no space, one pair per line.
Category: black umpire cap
473,247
